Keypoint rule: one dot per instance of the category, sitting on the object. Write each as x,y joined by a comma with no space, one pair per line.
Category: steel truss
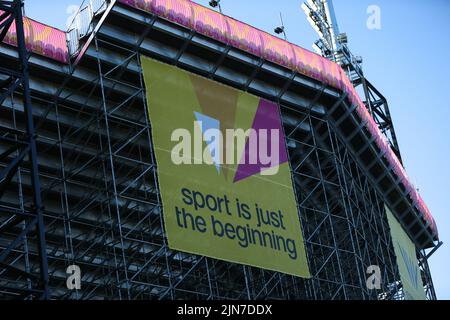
103,210
22,230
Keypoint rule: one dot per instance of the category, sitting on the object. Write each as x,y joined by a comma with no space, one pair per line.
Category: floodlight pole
333,45
333,28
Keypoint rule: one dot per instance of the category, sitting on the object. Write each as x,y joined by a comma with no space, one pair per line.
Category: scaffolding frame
103,210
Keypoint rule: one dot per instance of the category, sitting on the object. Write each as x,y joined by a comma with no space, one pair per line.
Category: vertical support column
165,247
23,60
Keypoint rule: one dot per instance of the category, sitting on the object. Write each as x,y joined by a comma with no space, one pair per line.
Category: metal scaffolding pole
333,45
25,145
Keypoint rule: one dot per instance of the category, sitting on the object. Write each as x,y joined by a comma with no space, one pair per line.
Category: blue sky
408,60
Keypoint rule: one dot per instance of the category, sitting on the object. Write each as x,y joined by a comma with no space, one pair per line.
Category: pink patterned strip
41,39
240,35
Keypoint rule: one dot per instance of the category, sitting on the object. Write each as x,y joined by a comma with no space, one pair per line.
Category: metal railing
82,23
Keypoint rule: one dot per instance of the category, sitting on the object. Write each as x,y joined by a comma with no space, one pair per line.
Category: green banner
408,266
223,171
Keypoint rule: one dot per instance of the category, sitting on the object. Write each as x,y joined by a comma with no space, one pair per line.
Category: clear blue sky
409,62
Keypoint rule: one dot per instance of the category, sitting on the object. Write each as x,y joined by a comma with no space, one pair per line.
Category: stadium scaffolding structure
102,208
